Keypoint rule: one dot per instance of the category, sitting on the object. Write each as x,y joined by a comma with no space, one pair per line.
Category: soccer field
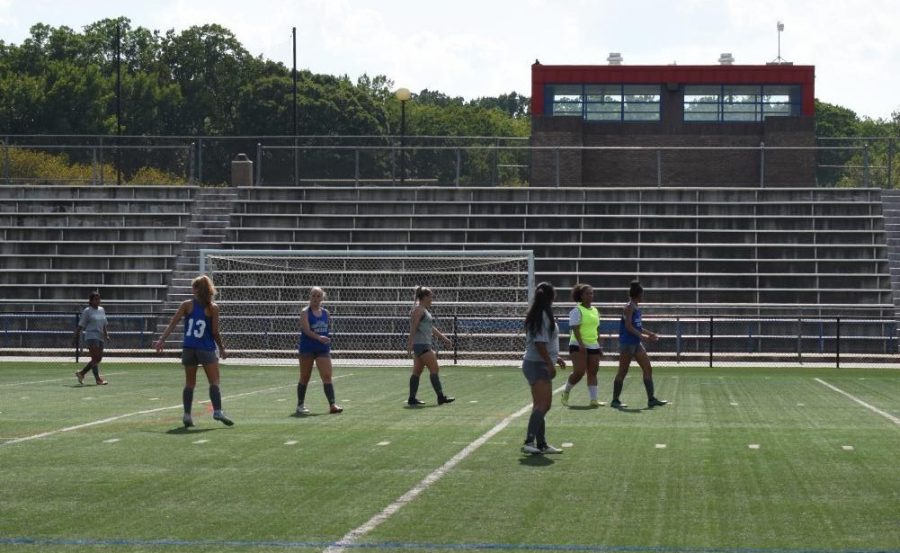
779,459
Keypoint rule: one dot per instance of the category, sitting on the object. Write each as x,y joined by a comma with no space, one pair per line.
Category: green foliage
38,167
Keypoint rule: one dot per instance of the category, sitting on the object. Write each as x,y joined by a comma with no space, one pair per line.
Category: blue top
626,337
198,330
319,325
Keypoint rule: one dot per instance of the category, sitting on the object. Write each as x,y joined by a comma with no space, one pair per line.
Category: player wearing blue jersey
201,336
421,333
315,346
631,332
93,323
539,365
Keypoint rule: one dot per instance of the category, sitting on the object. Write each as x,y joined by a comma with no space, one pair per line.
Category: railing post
455,339
658,167
458,166
677,339
557,166
200,161
837,342
762,164
711,334
800,340
866,163
6,160
356,167
190,168
890,164
296,163
258,163
101,161
94,176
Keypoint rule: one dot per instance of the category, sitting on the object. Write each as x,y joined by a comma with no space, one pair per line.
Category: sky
474,48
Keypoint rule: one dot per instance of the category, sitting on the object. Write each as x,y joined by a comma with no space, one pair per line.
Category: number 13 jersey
198,330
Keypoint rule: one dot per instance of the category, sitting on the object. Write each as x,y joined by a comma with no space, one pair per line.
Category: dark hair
540,305
635,289
578,290
94,294
422,291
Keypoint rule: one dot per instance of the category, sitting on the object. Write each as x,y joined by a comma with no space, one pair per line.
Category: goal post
480,300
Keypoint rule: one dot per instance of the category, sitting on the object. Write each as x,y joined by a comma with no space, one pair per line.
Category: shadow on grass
182,431
531,460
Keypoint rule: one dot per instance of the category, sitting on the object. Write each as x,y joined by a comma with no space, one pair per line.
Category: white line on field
354,535
70,377
872,408
132,414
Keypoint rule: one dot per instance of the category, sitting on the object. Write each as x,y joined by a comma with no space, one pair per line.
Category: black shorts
575,348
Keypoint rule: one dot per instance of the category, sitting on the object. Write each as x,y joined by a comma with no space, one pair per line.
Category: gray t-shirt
92,322
549,334
424,331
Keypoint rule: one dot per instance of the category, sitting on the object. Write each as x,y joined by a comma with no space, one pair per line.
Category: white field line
872,408
133,414
354,535
70,377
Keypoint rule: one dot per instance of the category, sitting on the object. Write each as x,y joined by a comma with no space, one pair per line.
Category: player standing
315,346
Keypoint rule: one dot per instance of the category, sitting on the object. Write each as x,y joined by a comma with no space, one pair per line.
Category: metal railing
431,160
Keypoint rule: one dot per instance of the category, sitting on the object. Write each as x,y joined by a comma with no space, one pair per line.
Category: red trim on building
803,75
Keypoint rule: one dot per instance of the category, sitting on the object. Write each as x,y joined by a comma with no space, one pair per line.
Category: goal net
480,299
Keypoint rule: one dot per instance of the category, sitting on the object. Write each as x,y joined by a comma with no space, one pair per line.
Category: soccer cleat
415,402
301,410
335,409
222,417
564,399
187,420
529,447
80,377
616,404
445,399
548,449
653,402
597,403
101,382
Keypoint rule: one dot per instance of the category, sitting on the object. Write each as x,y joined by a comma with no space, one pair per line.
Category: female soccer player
315,345
584,343
421,330
93,323
541,353
201,336
630,334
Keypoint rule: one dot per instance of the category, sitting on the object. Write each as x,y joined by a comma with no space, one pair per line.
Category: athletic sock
187,398
648,385
413,386
569,386
96,370
535,425
216,397
617,388
592,391
436,384
301,393
329,393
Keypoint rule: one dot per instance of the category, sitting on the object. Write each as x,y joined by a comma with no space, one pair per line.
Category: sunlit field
777,459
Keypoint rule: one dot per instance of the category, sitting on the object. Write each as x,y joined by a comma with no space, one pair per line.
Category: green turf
612,490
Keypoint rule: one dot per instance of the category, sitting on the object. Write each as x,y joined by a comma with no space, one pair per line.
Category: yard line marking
567,444
111,441
660,446
201,442
351,537
70,377
872,408
126,415
847,447
383,443
753,446
290,442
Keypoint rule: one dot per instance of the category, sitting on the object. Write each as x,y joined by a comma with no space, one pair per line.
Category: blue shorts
631,349
421,349
315,354
94,343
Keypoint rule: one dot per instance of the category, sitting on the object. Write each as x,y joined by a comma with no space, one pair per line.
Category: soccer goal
480,299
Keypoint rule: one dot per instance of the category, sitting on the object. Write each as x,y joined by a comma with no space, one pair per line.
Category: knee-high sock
592,391
86,368
187,398
535,426
648,385
329,393
96,370
617,388
301,393
413,385
216,397
436,384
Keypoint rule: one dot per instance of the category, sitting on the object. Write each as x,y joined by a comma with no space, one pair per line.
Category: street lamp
402,94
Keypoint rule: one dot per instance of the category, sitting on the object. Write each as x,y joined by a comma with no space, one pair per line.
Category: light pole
403,95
